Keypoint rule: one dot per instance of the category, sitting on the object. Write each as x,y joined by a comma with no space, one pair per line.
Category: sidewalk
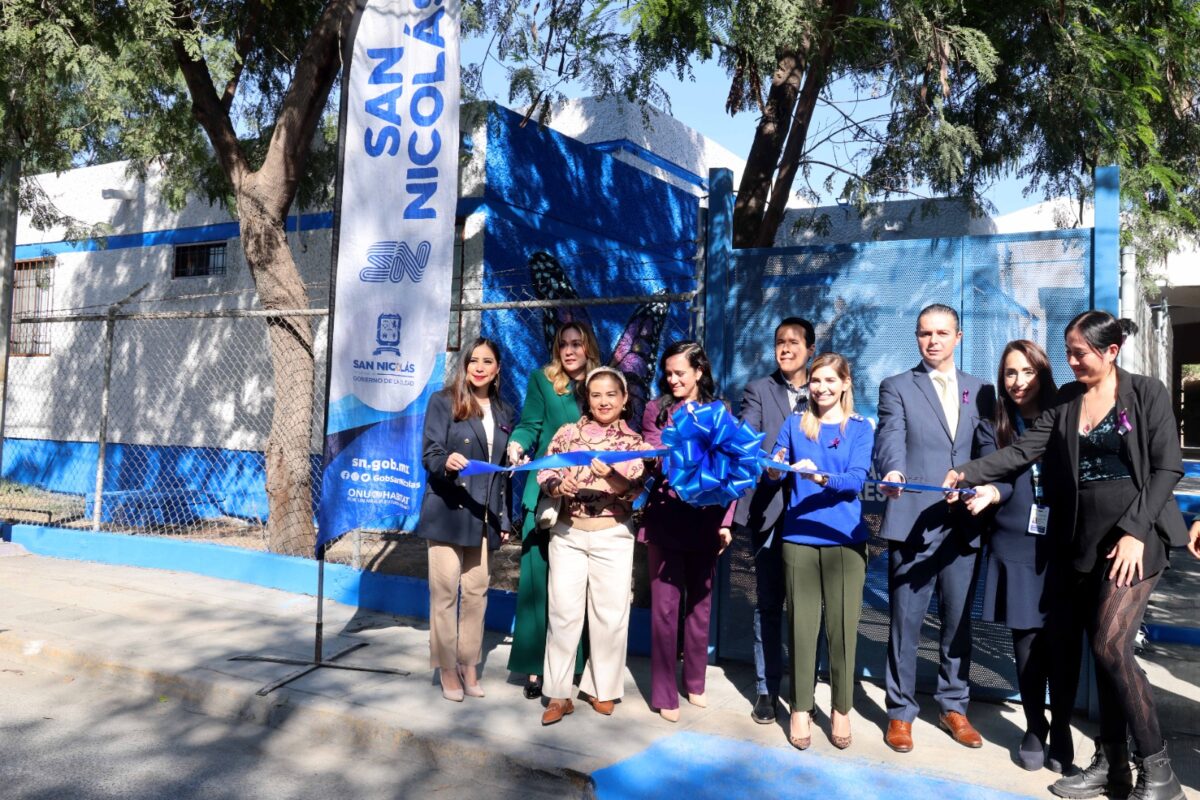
172,634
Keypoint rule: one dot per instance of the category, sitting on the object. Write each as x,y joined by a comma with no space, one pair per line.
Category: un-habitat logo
391,261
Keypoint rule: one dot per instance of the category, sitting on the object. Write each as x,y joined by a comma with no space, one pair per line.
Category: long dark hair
698,360
1099,329
462,399
1005,416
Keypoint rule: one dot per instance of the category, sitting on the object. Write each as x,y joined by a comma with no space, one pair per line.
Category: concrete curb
322,719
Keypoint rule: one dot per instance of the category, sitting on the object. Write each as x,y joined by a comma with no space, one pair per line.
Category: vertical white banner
394,234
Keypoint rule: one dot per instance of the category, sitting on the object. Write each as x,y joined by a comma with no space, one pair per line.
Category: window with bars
199,260
32,295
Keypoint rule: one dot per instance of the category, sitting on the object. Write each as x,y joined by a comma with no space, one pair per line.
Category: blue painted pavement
698,767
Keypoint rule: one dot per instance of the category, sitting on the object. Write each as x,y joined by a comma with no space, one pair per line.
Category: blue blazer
464,511
765,408
915,439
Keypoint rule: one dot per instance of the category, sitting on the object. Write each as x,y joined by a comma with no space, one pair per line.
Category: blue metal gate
863,299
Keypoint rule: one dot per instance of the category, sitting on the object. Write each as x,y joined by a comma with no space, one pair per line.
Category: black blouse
1100,452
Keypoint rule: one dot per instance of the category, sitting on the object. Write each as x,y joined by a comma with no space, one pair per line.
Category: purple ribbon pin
836,441
1123,423
966,396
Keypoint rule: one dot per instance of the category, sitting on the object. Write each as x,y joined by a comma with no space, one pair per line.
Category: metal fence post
102,437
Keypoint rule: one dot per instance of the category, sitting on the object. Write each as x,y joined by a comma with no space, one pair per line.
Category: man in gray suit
927,419
766,404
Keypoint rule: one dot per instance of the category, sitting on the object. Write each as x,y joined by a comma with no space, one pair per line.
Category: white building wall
208,382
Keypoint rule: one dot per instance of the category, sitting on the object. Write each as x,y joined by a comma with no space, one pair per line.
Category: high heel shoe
533,688
453,695
801,742
698,700
470,690
840,742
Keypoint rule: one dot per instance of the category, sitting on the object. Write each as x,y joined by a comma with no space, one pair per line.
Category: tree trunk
814,81
288,462
771,166
10,179
769,137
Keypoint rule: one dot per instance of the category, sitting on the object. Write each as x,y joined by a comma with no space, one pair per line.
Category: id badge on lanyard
1039,512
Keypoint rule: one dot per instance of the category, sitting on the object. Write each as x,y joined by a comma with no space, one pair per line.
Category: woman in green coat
550,403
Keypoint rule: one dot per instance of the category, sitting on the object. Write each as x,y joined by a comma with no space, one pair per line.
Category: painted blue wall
607,228
191,482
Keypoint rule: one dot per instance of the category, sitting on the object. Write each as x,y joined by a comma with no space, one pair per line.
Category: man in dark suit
766,404
927,418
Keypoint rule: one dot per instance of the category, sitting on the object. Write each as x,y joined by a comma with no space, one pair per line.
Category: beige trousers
456,630
590,572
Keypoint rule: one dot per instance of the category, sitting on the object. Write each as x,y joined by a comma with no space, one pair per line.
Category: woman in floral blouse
591,549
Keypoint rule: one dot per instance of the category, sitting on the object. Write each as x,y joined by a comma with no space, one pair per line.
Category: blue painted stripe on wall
1106,241
321,220
173,236
392,594
1191,469
233,479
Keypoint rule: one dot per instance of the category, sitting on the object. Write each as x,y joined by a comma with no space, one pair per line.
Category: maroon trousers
678,576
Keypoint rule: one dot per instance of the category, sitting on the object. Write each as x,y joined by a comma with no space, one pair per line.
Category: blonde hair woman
824,540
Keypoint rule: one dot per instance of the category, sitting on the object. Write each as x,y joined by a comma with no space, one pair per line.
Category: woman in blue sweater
824,540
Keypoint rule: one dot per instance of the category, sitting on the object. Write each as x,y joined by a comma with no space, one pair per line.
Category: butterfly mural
635,351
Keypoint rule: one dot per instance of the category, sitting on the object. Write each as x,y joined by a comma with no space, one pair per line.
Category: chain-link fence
169,423
162,423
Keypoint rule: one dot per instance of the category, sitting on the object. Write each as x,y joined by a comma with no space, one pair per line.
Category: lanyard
1035,470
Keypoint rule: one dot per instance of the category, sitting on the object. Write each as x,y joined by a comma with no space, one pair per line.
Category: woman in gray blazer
463,518
1111,457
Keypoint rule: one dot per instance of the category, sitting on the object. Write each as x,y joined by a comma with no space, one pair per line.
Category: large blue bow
713,456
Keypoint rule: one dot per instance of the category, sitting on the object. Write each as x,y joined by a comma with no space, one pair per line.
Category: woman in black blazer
463,518
1024,567
1110,452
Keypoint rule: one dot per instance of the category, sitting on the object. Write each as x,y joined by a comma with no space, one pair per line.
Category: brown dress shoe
604,707
960,729
899,736
556,711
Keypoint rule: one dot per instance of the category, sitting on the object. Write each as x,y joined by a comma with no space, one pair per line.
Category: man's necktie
949,401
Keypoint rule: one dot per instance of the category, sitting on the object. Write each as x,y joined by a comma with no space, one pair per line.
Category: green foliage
91,82
933,96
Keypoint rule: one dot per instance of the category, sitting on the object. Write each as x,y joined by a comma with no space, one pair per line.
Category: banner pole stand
318,659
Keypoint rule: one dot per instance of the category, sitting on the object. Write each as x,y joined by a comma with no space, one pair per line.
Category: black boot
1108,773
1156,780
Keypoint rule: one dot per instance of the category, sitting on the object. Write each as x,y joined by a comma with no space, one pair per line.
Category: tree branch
304,103
814,81
242,47
207,107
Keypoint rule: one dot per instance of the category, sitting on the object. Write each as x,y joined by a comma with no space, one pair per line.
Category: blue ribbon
769,463
574,458
712,456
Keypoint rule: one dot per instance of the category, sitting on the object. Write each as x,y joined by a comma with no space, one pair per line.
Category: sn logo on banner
392,261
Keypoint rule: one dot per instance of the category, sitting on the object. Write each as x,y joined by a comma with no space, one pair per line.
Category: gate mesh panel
863,300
